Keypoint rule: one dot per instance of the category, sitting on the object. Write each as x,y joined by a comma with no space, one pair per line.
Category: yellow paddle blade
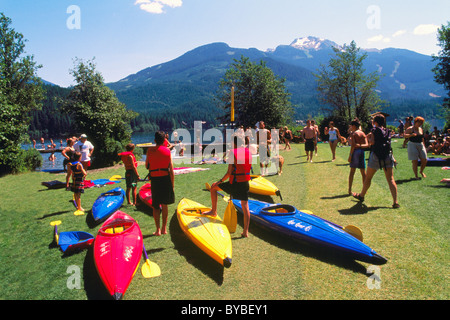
354,231
78,213
55,223
115,177
150,269
230,217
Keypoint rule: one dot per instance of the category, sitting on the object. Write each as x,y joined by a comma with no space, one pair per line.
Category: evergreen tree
97,112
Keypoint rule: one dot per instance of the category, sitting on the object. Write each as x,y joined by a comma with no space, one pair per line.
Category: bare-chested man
309,134
356,156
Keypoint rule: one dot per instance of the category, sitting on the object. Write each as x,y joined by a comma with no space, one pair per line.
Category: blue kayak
74,240
108,203
296,224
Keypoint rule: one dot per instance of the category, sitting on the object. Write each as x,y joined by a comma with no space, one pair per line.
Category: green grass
414,238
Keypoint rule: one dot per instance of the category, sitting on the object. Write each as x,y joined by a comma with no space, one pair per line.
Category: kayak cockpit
279,210
117,226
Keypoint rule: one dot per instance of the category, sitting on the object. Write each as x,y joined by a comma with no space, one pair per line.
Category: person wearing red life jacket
238,175
160,167
131,173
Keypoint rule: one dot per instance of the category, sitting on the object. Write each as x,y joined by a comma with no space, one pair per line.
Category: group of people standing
77,159
239,158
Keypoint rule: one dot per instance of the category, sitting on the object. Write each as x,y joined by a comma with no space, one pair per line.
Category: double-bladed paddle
149,269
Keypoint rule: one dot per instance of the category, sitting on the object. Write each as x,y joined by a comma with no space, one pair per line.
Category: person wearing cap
86,149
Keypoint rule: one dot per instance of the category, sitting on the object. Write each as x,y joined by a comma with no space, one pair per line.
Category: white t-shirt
84,149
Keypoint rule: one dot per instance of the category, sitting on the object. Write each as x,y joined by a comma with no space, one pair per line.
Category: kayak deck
206,232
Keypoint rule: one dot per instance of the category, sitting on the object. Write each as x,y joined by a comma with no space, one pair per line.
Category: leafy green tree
259,94
344,86
97,112
20,93
442,69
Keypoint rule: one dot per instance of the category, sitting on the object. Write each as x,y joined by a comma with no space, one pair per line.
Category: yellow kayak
207,232
261,185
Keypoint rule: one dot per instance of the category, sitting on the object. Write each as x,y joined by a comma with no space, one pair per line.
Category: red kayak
145,193
117,252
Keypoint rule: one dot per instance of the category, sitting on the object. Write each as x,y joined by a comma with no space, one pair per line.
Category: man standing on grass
356,157
86,149
309,135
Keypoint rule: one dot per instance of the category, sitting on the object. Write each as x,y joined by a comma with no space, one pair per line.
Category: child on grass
131,173
78,173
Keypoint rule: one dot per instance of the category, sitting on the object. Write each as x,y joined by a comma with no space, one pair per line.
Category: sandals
395,206
358,196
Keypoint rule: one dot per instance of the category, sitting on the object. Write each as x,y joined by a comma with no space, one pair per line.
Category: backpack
382,146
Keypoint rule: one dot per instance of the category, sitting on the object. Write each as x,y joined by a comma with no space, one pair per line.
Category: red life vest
159,161
127,161
242,165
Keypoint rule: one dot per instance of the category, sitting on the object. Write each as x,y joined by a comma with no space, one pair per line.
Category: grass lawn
414,239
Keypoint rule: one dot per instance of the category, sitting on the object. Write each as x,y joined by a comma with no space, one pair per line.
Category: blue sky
126,36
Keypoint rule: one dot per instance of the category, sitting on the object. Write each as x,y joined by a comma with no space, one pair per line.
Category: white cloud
157,6
399,33
425,29
379,38
171,3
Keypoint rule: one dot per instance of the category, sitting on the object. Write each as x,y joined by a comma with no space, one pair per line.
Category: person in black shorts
238,175
160,168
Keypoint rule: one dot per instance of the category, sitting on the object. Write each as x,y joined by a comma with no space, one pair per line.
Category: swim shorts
309,145
162,191
358,159
131,178
237,190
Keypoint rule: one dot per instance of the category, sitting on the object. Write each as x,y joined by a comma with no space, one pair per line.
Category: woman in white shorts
416,146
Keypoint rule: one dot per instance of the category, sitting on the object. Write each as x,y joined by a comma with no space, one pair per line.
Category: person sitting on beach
446,147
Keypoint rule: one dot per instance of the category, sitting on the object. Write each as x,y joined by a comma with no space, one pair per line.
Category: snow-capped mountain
312,43
405,75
